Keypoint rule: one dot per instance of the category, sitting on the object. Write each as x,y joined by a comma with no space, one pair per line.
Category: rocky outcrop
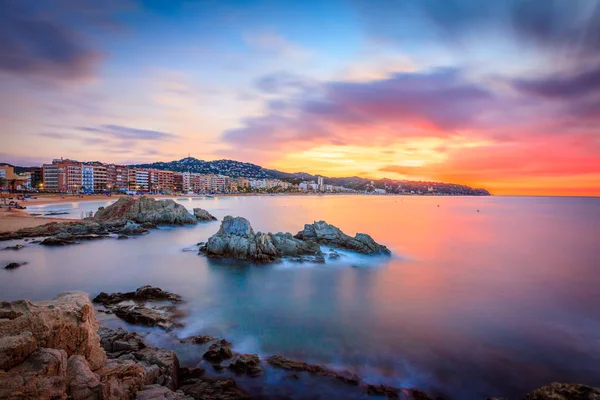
65,323
248,364
329,235
15,247
203,215
236,239
139,307
564,391
218,352
146,210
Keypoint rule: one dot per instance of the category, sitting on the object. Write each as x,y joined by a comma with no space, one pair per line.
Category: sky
500,94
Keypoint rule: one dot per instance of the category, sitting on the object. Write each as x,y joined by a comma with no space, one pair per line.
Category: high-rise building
50,177
100,177
87,178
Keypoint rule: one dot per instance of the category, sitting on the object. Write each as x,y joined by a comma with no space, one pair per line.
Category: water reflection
473,304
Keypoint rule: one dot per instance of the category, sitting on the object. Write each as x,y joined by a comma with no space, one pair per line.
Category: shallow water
472,304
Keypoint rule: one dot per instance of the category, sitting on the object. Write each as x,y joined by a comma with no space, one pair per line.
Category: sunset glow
503,95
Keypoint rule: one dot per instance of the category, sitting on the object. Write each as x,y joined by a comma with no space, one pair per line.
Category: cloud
572,86
272,43
282,81
127,133
47,38
338,112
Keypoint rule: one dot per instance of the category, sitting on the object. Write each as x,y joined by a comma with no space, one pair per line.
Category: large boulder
65,323
146,210
70,229
203,215
236,239
323,233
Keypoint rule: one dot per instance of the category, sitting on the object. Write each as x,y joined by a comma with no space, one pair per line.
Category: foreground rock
203,215
146,210
329,235
236,239
140,308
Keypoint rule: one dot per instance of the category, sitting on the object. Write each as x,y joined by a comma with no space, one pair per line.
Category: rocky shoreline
126,217
57,349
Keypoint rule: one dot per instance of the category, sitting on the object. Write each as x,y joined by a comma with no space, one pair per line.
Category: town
74,177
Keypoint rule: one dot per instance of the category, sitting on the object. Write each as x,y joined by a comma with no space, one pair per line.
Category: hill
241,169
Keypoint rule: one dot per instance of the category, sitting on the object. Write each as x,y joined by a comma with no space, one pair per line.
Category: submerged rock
246,364
15,247
327,234
14,265
218,352
203,215
146,210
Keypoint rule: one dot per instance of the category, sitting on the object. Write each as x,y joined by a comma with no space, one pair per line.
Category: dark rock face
236,239
218,352
203,215
201,339
324,233
136,308
146,210
564,391
14,265
246,364
212,389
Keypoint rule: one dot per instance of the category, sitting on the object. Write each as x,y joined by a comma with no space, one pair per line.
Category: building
50,177
87,178
7,171
178,181
37,178
142,179
100,177
320,184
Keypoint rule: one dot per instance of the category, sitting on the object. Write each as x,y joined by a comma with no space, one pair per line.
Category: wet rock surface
564,391
15,247
246,364
146,210
218,352
145,306
203,215
236,239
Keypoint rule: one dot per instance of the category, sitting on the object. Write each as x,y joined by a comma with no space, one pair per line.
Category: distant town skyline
503,95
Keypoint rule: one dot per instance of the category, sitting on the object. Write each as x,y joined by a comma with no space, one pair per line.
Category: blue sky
503,94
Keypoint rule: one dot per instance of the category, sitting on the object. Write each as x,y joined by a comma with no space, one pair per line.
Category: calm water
472,304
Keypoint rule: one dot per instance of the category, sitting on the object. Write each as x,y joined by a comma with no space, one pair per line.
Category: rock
82,383
326,234
218,352
65,323
203,215
236,239
291,365
136,308
42,376
146,210
201,339
246,364
213,389
121,379
72,228
160,366
141,294
157,392
15,349
334,255
56,241
139,314
15,247
122,237
14,265
564,391
132,228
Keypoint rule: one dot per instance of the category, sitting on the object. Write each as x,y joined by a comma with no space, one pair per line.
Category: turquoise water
472,304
